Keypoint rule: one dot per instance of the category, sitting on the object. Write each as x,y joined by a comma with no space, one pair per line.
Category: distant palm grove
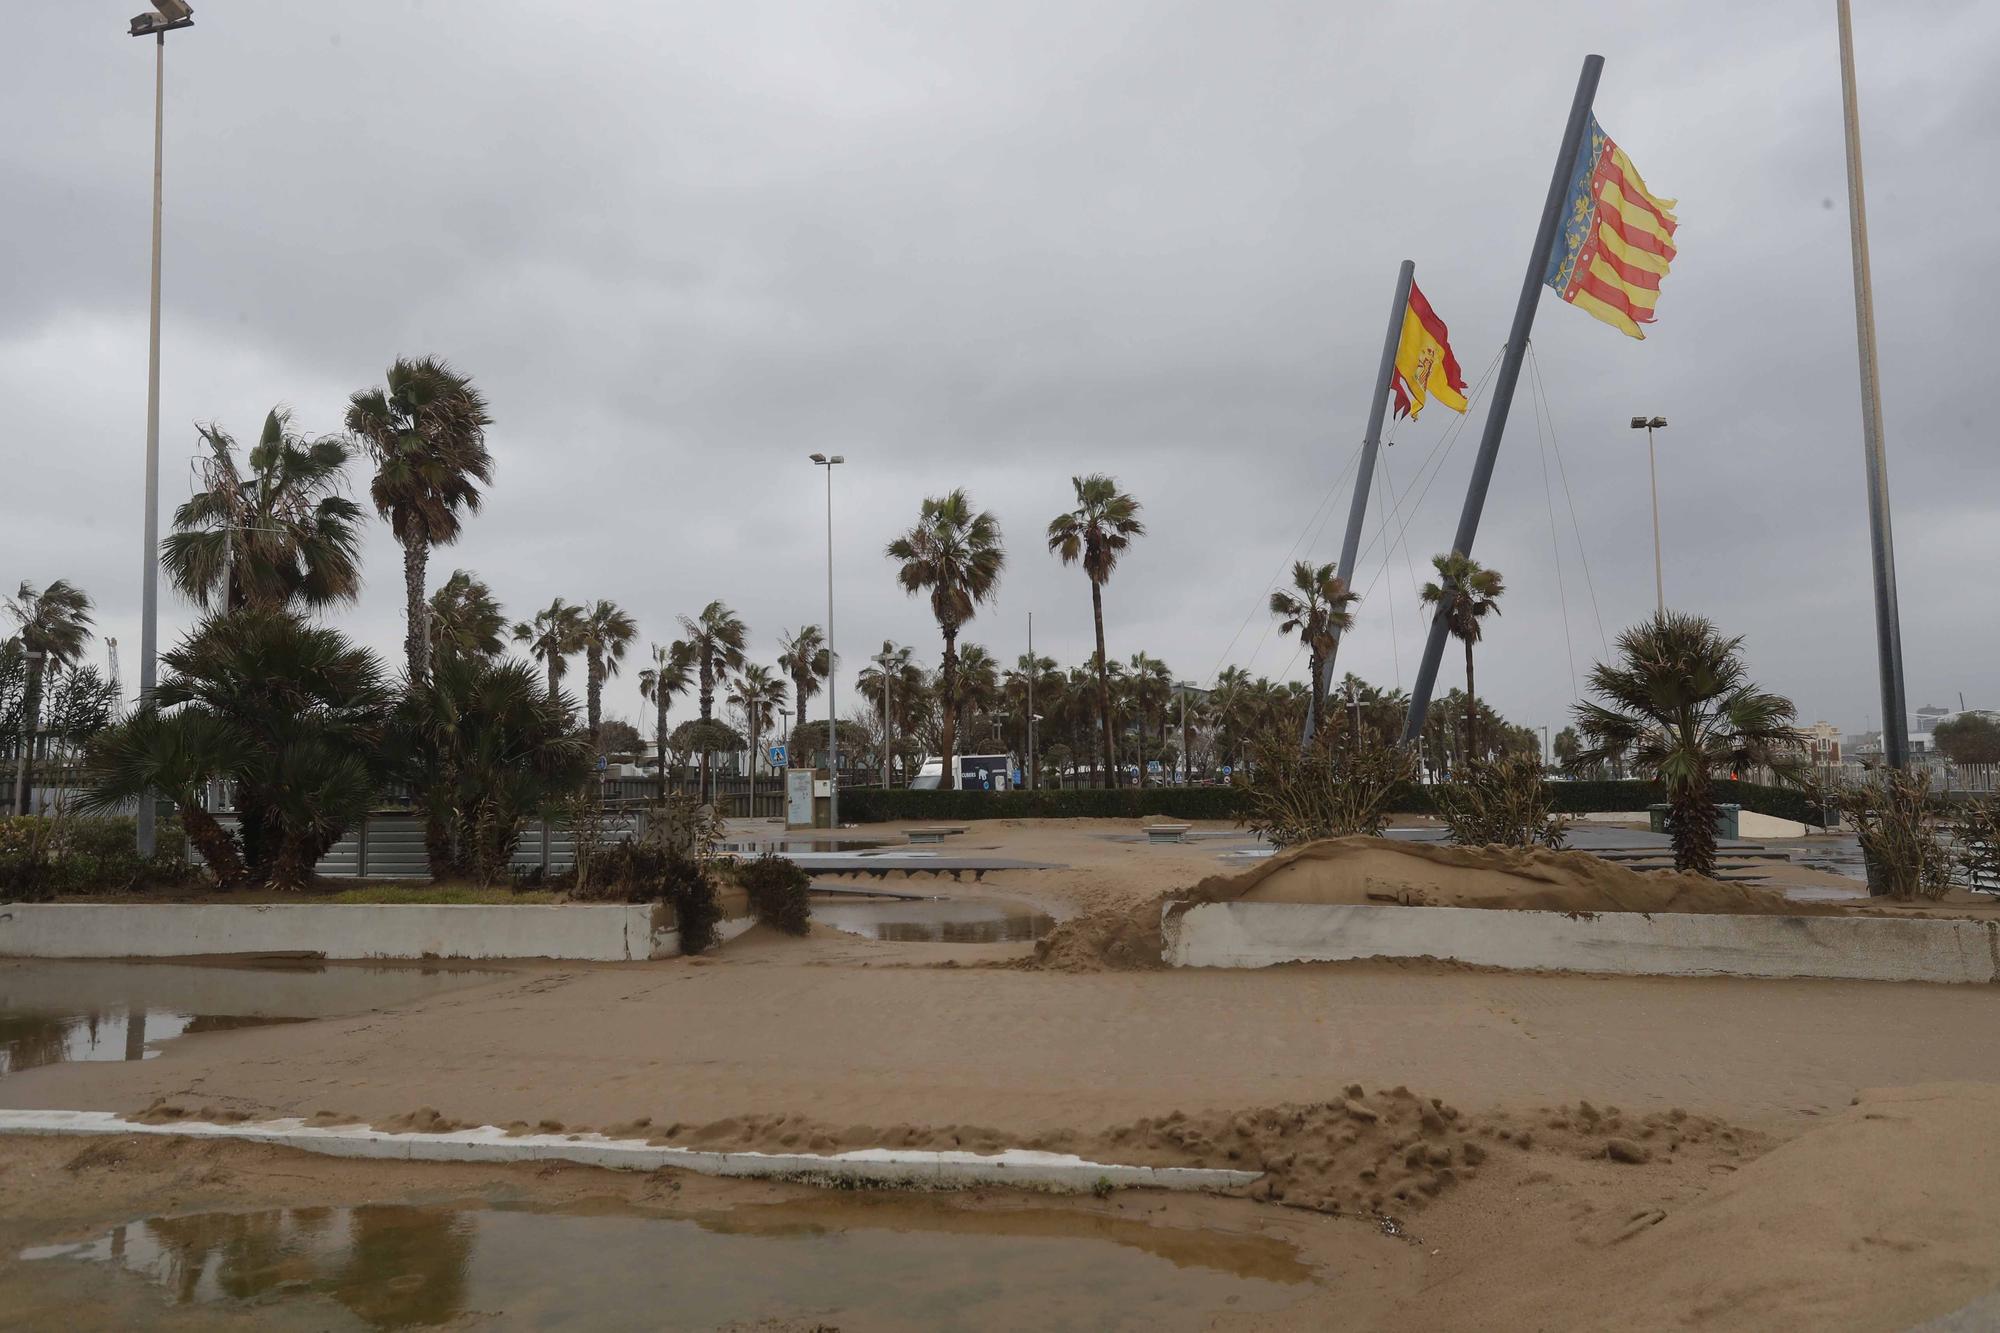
304,731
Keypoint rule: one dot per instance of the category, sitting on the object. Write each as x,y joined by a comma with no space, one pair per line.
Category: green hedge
874,805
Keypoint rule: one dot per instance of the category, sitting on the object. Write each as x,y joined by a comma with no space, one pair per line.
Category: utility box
808,798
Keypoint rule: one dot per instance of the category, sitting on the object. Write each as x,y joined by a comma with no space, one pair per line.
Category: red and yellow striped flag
1617,238
1425,366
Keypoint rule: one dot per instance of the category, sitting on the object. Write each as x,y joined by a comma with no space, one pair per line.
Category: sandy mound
1117,939
1383,870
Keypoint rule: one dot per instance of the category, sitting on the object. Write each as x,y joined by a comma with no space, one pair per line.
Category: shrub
44,856
1976,834
1323,792
1502,802
636,871
777,889
1891,813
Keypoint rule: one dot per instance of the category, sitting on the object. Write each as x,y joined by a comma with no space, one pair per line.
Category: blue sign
777,756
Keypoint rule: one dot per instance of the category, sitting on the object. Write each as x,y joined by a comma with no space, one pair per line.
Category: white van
976,772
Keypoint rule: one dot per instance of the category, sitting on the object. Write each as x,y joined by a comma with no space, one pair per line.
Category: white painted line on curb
489,1143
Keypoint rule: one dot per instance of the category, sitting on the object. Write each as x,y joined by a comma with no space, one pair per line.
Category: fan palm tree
1678,704
757,693
1151,686
715,638
978,684
894,687
292,714
1096,533
1317,609
1465,594
803,657
604,632
671,673
427,432
1032,685
483,748
280,533
552,637
54,626
465,618
955,554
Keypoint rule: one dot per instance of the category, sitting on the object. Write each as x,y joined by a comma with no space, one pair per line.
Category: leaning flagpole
1371,445
1503,388
1882,542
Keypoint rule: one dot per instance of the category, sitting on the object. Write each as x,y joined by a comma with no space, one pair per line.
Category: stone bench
935,834
1167,832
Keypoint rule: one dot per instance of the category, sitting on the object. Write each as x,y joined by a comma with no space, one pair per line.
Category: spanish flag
1617,238
1424,363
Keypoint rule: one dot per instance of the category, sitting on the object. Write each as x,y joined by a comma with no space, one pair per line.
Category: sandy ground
1561,1151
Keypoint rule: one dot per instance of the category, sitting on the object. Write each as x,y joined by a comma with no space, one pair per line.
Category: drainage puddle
846,1262
934,920
64,1012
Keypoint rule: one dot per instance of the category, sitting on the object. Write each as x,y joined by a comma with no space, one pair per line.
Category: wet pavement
934,920
58,1012
859,1261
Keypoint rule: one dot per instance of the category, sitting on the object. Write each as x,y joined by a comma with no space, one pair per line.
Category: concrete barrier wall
609,933
1630,943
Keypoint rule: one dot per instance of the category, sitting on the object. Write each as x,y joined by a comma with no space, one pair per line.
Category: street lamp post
832,736
171,14
1649,425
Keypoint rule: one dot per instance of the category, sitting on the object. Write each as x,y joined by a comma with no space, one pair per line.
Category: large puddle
933,920
59,1012
843,1262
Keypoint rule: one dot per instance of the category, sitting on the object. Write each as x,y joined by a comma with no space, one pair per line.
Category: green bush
635,871
777,889
1501,802
42,857
1324,792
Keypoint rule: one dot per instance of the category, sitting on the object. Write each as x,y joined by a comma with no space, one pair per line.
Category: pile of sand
1385,871
1116,939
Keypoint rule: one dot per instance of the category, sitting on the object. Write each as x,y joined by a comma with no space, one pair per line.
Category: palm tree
1023,702
1151,687
54,626
1097,532
894,687
427,432
465,618
1465,594
804,658
604,632
555,633
278,534
955,554
1317,610
293,715
1680,705
483,747
671,674
715,638
757,694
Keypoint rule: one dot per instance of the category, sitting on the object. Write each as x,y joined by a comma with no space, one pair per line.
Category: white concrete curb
1672,944
890,1166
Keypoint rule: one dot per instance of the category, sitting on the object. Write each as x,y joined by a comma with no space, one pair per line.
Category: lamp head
170,14
817,458
1638,423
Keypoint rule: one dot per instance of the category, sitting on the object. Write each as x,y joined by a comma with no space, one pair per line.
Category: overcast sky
992,245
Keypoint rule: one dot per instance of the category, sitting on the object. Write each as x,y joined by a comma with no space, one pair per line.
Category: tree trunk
214,845
707,712
1691,827
948,710
31,713
1103,682
554,662
416,639
1318,690
594,692
1471,709
660,737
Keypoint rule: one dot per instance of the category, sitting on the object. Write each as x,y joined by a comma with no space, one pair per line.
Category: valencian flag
1617,237
1425,366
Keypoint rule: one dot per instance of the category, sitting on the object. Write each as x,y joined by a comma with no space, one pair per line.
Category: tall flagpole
1882,543
1371,444
1503,388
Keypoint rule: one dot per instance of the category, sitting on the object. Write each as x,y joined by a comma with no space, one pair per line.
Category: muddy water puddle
843,1262
63,1012
933,920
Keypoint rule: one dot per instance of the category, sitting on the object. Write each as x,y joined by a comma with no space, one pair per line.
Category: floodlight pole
832,736
1503,386
1881,540
149,588
1034,669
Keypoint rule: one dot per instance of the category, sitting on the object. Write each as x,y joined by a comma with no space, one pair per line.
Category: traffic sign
778,756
